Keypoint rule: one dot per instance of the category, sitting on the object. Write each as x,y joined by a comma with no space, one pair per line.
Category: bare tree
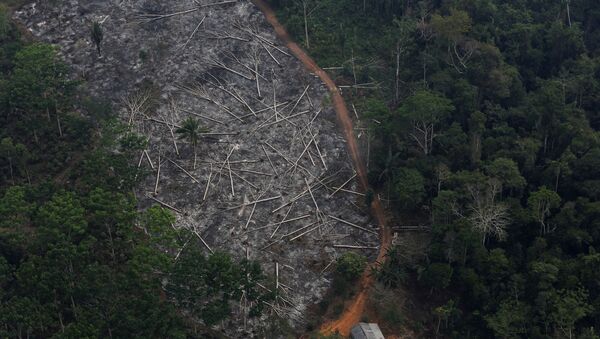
460,52
405,30
137,103
305,24
306,12
568,11
486,215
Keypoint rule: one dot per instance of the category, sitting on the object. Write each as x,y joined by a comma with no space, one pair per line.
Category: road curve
355,307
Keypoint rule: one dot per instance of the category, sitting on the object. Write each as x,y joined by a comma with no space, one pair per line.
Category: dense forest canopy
483,118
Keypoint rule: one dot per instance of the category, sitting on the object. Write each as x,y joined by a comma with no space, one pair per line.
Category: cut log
351,224
203,242
164,204
344,184
193,33
184,171
357,247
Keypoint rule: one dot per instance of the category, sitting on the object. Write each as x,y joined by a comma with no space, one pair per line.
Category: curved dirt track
355,307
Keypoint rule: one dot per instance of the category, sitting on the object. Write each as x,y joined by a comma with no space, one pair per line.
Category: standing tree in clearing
190,130
97,35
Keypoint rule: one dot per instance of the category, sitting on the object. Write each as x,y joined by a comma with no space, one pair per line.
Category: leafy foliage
484,126
190,130
77,258
350,266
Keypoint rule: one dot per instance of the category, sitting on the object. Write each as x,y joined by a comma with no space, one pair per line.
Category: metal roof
366,331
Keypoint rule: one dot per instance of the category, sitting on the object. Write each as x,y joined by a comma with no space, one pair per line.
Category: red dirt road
355,307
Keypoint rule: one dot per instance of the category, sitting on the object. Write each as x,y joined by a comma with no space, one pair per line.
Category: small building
366,331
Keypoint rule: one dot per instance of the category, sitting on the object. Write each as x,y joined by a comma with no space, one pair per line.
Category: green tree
39,83
453,26
15,154
62,218
560,168
511,320
380,117
568,307
540,203
207,286
391,272
454,143
350,266
191,131
425,110
7,149
408,187
4,21
507,172
497,267
16,211
444,313
543,274
110,217
451,30
159,222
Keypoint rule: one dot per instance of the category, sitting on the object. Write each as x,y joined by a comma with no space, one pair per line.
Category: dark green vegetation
190,131
484,125
347,271
97,35
77,258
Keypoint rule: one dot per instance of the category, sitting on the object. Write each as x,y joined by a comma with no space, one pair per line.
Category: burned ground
272,180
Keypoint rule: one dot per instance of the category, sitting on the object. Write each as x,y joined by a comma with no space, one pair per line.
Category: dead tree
459,53
485,214
137,103
193,33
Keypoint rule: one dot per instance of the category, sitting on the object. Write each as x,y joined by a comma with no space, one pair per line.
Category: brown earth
355,307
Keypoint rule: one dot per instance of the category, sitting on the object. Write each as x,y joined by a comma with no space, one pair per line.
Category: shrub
350,266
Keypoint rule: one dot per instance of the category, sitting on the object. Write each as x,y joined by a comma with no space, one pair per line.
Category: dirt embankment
355,307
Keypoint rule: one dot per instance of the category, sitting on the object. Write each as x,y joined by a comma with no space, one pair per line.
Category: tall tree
39,83
451,30
191,130
507,172
488,216
425,110
511,320
568,307
540,203
4,21
97,35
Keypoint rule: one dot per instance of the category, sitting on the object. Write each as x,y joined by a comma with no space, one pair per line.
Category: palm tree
190,130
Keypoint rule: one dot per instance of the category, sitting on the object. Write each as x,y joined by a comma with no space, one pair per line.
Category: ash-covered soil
271,132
